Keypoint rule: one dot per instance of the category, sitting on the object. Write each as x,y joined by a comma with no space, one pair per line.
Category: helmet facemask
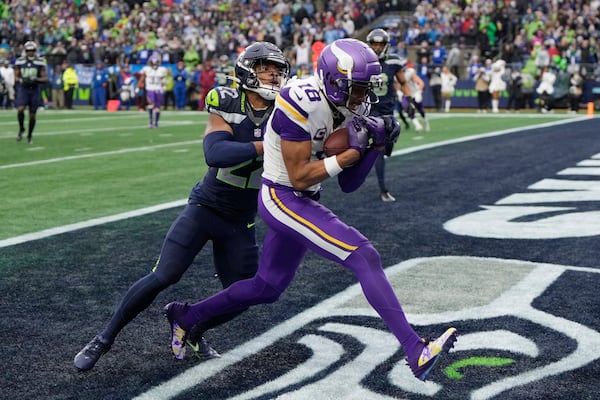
263,69
379,40
266,78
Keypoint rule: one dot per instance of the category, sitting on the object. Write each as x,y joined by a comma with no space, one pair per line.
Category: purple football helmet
348,69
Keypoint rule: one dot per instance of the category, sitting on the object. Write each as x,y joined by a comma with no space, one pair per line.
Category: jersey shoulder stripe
227,103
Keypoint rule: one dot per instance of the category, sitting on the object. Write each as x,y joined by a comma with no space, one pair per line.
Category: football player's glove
358,135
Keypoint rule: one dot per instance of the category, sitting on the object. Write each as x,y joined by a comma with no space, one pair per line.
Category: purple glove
358,135
376,128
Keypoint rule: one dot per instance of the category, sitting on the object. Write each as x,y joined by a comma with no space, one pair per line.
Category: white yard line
89,223
135,213
101,154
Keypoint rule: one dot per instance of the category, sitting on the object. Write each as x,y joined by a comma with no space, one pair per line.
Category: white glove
400,95
418,97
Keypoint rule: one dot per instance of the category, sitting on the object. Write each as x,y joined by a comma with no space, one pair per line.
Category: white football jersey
155,78
301,113
414,88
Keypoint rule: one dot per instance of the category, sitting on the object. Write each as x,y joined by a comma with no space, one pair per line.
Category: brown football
336,142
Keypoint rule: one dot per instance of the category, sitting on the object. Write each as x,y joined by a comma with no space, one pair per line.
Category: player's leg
306,222
34,103
150,106
158,101
184,240
235,254
20,102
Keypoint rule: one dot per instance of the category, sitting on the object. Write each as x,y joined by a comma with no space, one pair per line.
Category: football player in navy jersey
306,112
30,76
221,207
391,77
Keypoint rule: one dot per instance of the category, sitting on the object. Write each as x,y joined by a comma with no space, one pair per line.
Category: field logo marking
325,374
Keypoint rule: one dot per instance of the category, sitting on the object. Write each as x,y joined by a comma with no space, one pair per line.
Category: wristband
331,166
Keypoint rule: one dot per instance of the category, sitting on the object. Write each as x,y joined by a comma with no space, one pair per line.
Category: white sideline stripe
102,154
99,130
485,135
89,223
148,210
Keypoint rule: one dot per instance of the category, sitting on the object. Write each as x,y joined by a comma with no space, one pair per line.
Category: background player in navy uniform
391,75
306,112
221,207
30,76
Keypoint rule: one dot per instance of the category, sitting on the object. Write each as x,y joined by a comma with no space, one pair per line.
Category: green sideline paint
452,371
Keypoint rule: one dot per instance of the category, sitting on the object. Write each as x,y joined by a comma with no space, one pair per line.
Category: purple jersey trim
288,129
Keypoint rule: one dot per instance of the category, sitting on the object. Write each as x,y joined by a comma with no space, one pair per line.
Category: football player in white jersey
306,112
153,80
415,97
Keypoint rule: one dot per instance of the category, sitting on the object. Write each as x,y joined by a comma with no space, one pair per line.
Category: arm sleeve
353,177
220,150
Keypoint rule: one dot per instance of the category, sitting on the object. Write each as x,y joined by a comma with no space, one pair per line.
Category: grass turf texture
85,165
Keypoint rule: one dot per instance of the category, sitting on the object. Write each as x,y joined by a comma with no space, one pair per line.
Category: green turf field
85,164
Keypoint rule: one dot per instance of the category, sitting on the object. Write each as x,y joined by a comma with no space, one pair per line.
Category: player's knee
365,256
263,292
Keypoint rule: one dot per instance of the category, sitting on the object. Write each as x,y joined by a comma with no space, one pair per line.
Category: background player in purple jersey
306,112
221,207
30,76
391,76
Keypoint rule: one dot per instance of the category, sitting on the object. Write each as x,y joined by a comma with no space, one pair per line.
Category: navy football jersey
30,70
386,93
233,191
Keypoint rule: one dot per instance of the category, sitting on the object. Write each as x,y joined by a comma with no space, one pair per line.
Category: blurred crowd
559,34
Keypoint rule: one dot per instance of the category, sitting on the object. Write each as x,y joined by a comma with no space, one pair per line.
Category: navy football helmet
346,70
379,36
253,56
30,47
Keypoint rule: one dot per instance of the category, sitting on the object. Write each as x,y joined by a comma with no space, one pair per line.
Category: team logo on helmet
346,65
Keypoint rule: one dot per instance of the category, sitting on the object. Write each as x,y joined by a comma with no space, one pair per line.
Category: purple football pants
296,224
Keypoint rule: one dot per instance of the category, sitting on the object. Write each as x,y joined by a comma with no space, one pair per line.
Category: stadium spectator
527,89
30,76
57,88
125,28
191,58
7,75
208,80
169,90
482,86
545,90
70,84
99,85
515,91
438,54
448,84
454,60
224,71
219,210
128,86
424,52
435,84
474,66
575,91
181,78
